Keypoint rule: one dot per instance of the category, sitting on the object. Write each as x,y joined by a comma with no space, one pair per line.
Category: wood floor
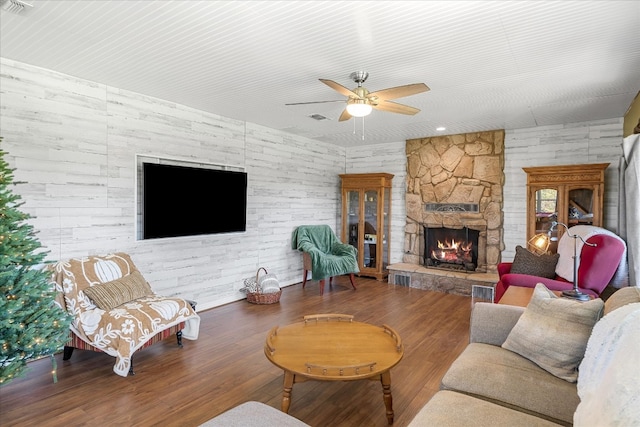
226,366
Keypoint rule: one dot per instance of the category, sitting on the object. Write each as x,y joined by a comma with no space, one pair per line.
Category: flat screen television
187,201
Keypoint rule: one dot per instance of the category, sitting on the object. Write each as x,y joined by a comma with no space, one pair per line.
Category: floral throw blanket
123,329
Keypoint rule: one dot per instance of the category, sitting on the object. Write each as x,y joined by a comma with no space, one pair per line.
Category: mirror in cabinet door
580,206
385,224
371,227
546,206
353,217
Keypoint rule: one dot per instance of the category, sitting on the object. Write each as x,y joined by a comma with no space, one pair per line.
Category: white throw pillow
609,378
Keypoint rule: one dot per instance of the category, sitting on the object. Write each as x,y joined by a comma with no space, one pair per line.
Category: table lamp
540,243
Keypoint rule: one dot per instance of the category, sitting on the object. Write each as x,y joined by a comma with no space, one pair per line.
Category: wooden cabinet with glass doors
571,194
366,215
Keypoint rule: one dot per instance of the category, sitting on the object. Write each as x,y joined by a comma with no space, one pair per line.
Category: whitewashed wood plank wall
74,143
598,141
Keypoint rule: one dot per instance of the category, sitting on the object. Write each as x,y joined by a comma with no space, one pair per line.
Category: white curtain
629,204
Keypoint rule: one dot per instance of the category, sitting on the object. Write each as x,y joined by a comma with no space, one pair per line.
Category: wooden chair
306,261
324,255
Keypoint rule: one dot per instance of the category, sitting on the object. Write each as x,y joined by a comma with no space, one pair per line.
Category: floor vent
481,294
402,279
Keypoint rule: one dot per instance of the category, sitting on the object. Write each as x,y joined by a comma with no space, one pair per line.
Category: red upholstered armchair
597,267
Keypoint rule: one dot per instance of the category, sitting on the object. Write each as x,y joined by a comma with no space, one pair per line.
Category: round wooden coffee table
332,347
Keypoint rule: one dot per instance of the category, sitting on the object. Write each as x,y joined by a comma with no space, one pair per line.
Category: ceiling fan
360,101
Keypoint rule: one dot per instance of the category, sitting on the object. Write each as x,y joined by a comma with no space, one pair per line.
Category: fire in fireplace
450,248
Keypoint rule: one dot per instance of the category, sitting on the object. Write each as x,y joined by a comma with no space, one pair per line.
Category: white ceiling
489,64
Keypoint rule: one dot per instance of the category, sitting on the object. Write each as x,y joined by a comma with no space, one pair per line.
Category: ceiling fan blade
399,91
314,102
394,107
344,116
339,88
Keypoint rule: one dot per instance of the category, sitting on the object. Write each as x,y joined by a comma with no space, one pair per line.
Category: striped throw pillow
553,332
111,294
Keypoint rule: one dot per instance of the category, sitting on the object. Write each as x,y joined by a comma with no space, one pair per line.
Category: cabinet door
386,224
581,206
371,229
546,211
351,235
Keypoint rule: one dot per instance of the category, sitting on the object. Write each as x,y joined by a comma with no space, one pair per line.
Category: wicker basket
258,297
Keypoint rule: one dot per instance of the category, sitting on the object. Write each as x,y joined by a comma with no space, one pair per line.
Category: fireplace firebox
451,248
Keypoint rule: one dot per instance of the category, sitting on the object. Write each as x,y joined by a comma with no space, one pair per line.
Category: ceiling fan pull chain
363,128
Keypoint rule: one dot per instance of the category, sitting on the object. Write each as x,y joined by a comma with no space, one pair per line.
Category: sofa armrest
491,323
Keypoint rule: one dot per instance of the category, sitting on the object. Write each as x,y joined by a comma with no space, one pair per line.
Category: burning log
453,252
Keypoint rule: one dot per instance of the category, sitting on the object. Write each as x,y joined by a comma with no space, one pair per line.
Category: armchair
114,309
324,254
597,264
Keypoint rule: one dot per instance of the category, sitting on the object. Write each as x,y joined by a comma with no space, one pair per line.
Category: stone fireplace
454,182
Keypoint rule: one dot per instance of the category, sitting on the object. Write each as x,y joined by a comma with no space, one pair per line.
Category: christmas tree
31,324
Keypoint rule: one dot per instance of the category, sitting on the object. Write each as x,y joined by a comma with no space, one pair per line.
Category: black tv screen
187,201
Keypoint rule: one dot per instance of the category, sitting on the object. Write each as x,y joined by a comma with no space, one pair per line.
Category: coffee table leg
385,379
286,394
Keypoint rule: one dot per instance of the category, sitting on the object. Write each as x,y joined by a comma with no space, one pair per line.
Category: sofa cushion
111,294
492,323
251,414
471,411
526,262
553,332
501,376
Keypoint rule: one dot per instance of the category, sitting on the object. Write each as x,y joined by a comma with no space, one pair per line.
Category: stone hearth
430,279
465,171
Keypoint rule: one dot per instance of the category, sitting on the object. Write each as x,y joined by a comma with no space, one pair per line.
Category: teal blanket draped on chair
329,256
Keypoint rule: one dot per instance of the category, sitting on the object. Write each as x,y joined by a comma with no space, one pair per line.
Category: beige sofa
488,385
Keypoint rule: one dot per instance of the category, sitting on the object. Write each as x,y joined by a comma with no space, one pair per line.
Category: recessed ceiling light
441,128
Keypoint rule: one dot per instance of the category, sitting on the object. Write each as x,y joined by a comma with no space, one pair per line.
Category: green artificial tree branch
32,325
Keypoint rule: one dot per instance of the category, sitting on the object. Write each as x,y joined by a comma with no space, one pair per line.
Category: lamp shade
539,244
358,108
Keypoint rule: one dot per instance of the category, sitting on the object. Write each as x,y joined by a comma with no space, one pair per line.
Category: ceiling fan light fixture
359,108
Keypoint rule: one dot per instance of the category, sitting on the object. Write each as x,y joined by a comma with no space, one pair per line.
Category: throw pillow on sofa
610,372
111,294
526,262
553,332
